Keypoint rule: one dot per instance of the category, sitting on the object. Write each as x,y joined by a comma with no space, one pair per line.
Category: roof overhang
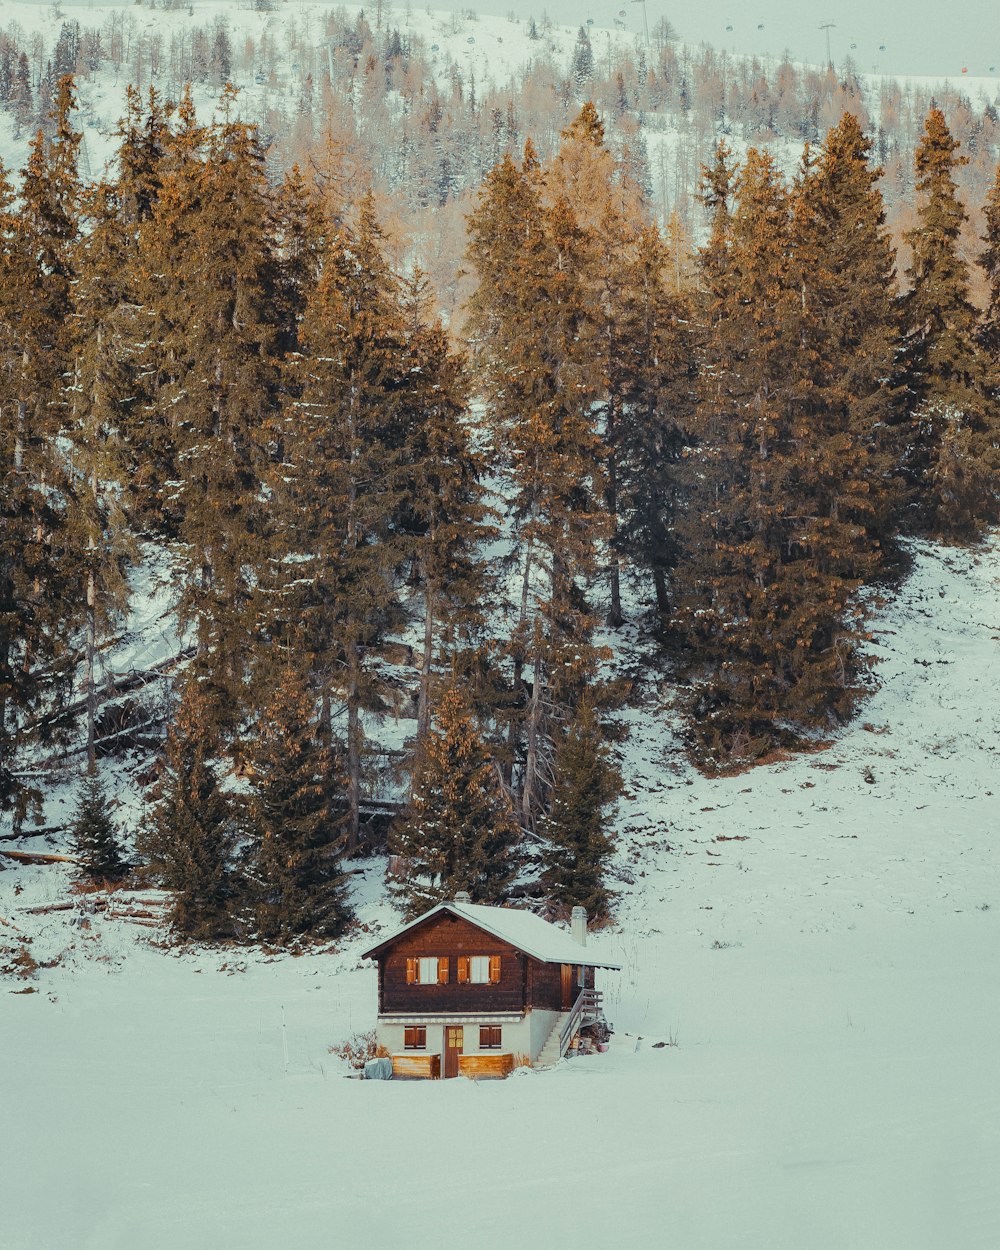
478,915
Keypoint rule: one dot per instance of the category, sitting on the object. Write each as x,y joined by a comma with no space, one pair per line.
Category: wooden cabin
468,990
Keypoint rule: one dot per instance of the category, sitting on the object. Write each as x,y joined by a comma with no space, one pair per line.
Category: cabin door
567,986
454,1040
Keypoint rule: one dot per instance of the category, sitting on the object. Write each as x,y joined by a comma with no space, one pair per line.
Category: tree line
194,356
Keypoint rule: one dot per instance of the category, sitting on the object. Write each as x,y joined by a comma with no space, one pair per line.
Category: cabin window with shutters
415,1037
479,969
427,970
489,1037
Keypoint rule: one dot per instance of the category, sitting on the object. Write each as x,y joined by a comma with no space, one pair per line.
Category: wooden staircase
587,1008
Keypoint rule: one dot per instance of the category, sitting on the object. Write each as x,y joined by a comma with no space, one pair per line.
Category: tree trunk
529,794
660,587
615,617
424,696
354,737
513,730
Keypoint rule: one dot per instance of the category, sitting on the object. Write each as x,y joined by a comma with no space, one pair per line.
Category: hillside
422,102
814,941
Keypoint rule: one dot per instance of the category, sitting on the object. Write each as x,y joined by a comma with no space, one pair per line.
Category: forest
364,506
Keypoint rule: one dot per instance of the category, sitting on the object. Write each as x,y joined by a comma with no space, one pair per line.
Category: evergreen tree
460,832
532,338
443,512
764,592
93,833
576,845
39,597
650,366
97,399
952,460
292,826
212,295
190,843
340,486
845,267
989,261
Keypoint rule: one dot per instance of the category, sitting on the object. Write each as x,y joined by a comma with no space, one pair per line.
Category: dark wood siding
546,986
545,981
450,936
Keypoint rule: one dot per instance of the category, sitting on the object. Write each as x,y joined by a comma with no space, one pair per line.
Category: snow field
826,984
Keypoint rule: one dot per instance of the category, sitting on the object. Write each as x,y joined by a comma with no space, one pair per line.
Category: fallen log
44,911
38,857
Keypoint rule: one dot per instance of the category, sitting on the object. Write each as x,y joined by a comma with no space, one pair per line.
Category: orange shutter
411,971
443,971
494,969
463,969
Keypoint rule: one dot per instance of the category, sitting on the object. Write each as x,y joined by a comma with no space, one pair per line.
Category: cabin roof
528,932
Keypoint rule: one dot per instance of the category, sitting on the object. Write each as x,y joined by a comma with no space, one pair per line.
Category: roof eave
479,924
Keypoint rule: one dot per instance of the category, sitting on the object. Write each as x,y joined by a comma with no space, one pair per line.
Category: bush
358,1049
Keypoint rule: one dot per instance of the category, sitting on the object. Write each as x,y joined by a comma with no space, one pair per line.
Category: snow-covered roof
528,932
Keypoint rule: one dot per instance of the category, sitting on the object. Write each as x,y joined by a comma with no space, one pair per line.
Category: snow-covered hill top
814,942
489,50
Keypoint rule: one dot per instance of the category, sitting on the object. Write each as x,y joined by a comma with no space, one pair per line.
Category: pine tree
576,845
340,486
208,248
39,598
845,264
952,461
98,395
764,592
190,843
989,261
443,514
292,826
532,339
93,833
650,369
460,832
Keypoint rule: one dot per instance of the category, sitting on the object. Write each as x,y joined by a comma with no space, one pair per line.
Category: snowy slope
820,948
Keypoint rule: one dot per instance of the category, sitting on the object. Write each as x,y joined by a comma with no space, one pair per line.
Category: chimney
463,896
578,925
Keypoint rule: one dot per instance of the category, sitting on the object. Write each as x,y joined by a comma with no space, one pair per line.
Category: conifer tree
340,487
147,447
989,261
292,826
39,600
208,250
442,508
845,267
460,832
98,396
576,845
650,365
93,833
952,460
190,843
764,593
529,319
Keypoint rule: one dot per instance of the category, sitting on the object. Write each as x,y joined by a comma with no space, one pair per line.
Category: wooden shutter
443,970
411,971
463,969
494,969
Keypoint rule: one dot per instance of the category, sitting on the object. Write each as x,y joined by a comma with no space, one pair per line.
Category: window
489,1037
479,969
415,1038
427,970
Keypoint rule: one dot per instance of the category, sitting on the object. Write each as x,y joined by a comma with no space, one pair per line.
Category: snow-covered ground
815,941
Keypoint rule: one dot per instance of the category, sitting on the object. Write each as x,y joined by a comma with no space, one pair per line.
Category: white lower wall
541,1026
526,1036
